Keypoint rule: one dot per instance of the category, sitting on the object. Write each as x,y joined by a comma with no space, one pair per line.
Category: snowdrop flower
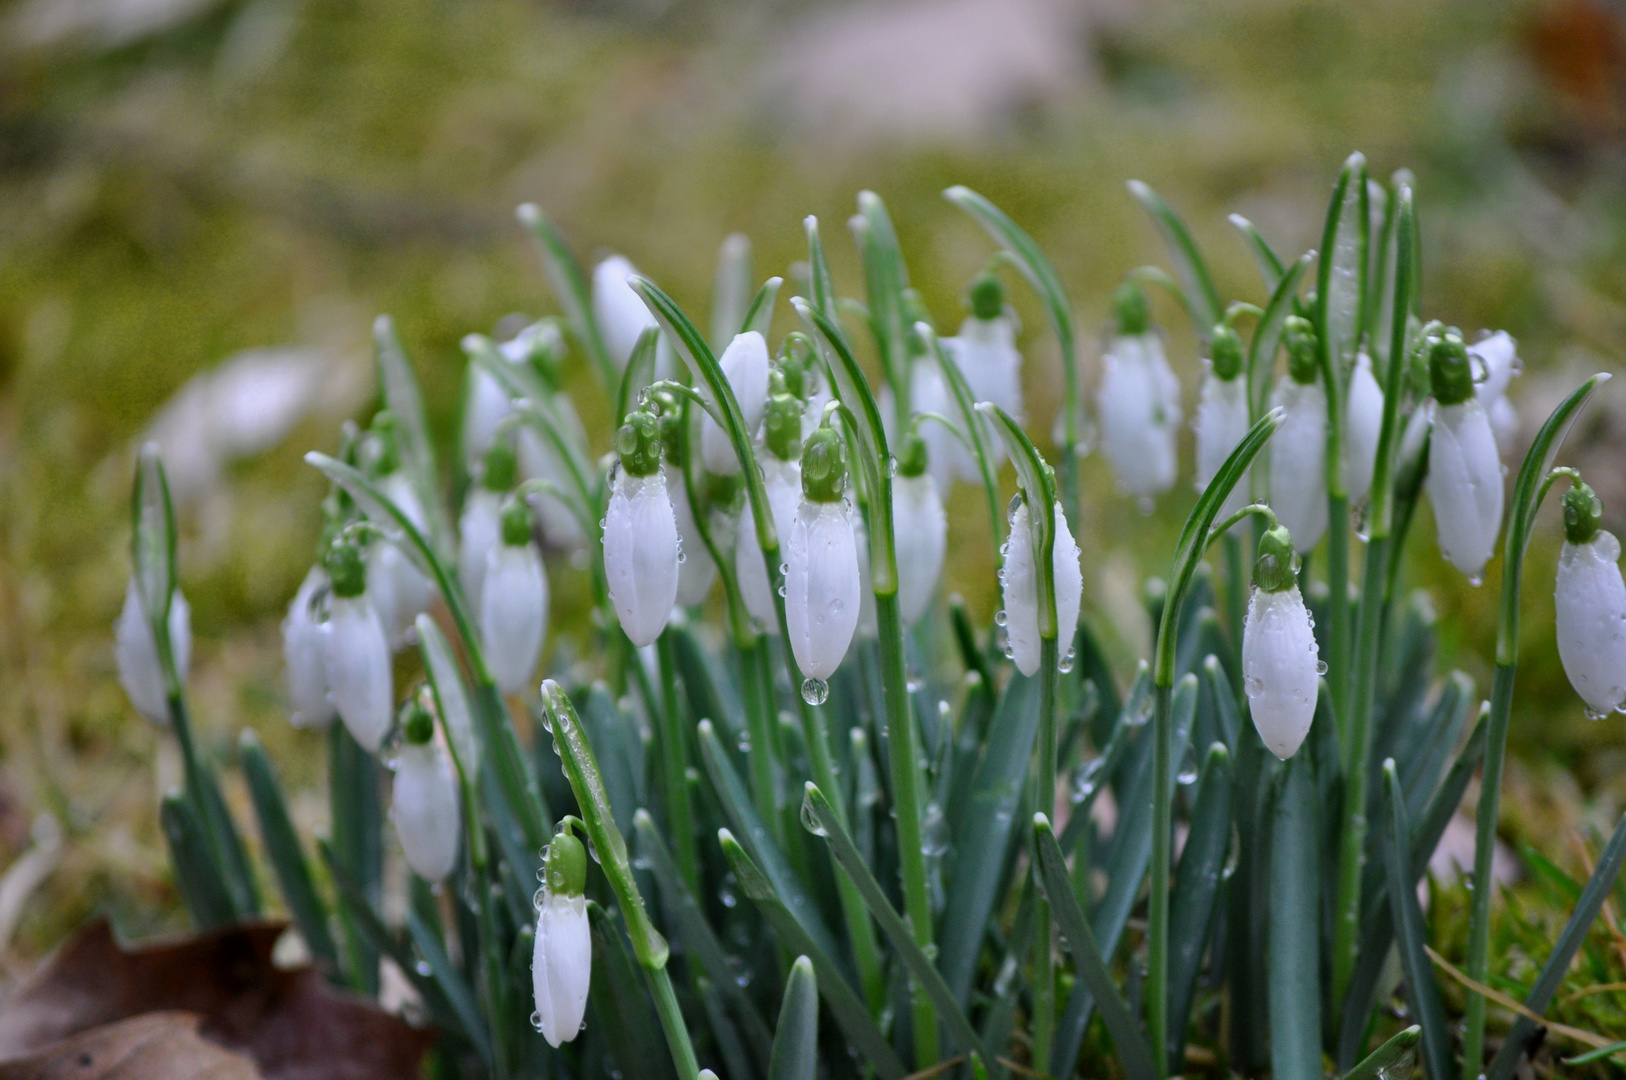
919,528
399,589
1498,355
1138,402
1464,480
539,460
641,547
948,458
985,349
618,310
304,656
1222,416
486,404
357,652
745,362
1280,664
1019,586
697,572
562,961
428,818
140,672
1363,419
1298,450
782,480
479,528
513,602
1590,605
822,589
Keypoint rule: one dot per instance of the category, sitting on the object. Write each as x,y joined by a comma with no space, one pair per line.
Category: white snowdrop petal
745,363
1279,668
304,658
1464,485
1504,422
1363,413
479,530
428,819
1138,403
358,669
1498,358
1221,424
137,654
539,460
561,967
822,588
1590,618
641,555
1069,581
619,311
486,407
513,614
986,351
697,572
920,529
1298,462
1020,589
782,480
398,590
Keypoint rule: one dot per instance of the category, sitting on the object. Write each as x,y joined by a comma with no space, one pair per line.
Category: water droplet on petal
1476,580
1000,618
1254,685
815,691
1066,664
1320,667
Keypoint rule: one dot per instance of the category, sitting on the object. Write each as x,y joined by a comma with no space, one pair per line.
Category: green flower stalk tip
417,726
1276,569
565,865
346,568
1583,513
516,523
1450,372
1227,353
824,467
639,443
1131,310
1302,362
987,296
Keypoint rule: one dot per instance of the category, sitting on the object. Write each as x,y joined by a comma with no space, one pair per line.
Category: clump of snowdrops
796,815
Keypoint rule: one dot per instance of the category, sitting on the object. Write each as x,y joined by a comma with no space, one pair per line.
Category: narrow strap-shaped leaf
819,811
1295,928
1570,939
451,696
152,546
845,1005
1188,260
357,841
821,283
975,432
569,286
1267,335
459,997
725,1034
1341,275
197,877
401,396
1196,888
1379,1062
235,868
759,315
730,289
796,1041
1127,1038
884,281
1422,989
1270,264
1219,684
640,373
282,848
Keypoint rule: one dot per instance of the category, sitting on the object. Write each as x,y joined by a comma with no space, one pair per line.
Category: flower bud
822,588
137,653
782,481
357,652
642,552
1464,483
1138,402
745,363
486,404
1298,461
1280,661
513,602
1221,423
619,311
919,528
562,959
948,459
304,657
1589,603
428,817
1363,421
1020,587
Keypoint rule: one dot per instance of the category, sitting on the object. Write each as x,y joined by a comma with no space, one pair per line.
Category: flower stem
1490,797
675,760
672,1023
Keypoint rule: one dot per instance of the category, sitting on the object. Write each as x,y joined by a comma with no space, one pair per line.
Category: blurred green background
183,180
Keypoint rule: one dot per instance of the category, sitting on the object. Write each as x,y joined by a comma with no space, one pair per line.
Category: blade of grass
1188,260
1422,990
357,842
235,868
796,1042
1270,264
197,877
1379,1062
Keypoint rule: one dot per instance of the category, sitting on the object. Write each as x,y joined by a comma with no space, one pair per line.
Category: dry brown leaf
289,1022
154,1046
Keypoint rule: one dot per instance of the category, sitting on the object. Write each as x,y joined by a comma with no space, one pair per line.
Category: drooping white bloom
1019,586
513,612
358,669
641,554
399,591
745,363
486,404
782,481
619,311
1279,668
1298,461
540,460
1221,424
562,959
986,351
1363,413
1498,356
1464,485
948,457
1590,610
479,530
428,818
304,657
1138,403
822,589
137,653
920,531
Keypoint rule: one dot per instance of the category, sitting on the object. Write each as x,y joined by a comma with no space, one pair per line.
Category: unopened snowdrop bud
822,589
480,524
1363,420
1464,481
782,481
513,601
1498,355
304,656
428,818
642,553
358,655
1138,402
919,528
618,310
1019,586
1280,663
562,960
1222,415
1298,450
140,673
985,349
1590,605
745,363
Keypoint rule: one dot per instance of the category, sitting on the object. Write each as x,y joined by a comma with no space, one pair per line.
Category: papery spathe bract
1020,588
745,363
1589,600
1280,661
425,808
641,554
304,656
562,957
1363,419
137,653
514,603
782,481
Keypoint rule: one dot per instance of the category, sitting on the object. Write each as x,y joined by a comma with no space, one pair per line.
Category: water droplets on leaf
815,691
810,818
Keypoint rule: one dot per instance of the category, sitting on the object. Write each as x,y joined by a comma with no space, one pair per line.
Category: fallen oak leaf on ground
289,1022
153,1046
